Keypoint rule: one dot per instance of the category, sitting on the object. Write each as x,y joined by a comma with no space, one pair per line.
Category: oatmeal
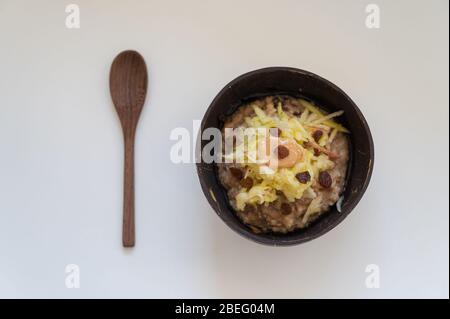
284,163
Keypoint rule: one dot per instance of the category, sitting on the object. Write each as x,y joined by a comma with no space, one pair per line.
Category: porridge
284,164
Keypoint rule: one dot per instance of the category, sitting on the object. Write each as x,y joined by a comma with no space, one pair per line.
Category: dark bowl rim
280,241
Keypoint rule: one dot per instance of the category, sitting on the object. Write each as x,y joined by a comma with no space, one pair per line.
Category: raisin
307,144
286,209
276,100
282,152
248,209
275,131
325,179
303,177
317,152
317,135
247,182
237,173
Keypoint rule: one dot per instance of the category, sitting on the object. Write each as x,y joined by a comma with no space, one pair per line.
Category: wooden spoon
128,86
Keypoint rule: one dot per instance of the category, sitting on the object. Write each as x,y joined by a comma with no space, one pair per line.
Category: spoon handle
128,234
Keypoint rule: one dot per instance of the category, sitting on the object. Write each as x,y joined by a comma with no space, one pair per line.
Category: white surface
61,148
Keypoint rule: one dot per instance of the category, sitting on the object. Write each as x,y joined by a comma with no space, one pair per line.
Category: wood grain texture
128,81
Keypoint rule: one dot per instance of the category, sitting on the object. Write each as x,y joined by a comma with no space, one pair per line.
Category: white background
61,148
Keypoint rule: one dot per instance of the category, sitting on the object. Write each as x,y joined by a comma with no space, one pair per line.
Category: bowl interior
295,82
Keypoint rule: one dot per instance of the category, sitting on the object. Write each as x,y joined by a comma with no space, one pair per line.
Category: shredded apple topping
285,156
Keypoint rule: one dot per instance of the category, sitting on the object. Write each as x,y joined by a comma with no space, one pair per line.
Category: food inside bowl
284,162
